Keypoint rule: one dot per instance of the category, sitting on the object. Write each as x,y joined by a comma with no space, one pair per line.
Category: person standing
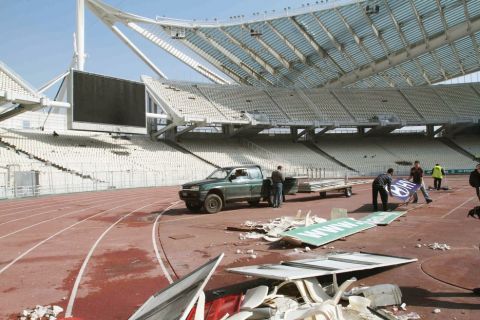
437,174
277,184
381,182
475,180
416,175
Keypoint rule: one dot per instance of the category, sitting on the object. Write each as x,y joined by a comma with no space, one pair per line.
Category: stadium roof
338,44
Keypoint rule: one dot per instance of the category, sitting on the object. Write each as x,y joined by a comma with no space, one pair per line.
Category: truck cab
222,186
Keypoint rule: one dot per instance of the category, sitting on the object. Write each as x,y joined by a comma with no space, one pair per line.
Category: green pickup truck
231,184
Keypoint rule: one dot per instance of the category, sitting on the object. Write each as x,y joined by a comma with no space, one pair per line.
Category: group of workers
382,184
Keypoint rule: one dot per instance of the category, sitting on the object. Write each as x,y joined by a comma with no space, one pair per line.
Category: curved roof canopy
339,44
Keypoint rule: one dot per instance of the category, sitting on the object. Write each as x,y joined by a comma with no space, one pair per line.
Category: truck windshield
219,174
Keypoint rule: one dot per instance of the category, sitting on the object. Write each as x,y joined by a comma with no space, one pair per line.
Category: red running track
100,255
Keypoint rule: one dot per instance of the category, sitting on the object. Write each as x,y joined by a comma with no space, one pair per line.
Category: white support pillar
80,35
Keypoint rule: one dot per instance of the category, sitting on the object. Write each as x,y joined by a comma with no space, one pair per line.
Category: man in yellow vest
437,174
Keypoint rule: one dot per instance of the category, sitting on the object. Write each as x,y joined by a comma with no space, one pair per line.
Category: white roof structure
338,44
19,96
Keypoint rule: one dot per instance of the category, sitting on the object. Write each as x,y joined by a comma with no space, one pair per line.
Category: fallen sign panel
177,300
383,218
325,232
334,263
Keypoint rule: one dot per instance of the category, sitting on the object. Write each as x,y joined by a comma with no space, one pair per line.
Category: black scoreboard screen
108,102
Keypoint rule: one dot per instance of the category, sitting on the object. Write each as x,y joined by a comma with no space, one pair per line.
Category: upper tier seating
408,106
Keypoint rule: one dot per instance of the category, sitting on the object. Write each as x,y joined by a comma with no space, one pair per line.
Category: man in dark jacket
277,184
416,175
378,186
475,179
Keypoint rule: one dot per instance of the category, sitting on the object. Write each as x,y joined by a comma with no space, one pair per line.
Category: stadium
334,92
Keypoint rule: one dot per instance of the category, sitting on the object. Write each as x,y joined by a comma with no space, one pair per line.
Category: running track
100,255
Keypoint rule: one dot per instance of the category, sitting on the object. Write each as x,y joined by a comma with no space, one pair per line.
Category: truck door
239,186
256,181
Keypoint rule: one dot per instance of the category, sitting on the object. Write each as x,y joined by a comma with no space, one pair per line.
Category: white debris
238,251
275,227
409,316
418,245
436,310
307,249
331,247
253,256
403,306
250,235
439,246
41,313
296,250
250,251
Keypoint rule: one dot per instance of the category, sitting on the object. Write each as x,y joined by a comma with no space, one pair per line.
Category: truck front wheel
348,192
213,203
193,206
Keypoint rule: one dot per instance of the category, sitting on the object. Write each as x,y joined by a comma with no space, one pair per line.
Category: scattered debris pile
41,313
271,230
439,246
308,299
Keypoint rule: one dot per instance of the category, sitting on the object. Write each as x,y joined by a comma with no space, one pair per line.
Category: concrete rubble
41,313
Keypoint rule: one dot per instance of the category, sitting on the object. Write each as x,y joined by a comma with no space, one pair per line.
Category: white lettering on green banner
383,218
325,232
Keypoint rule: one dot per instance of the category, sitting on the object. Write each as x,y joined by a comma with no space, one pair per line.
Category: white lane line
154,241
34,215
50,204
72,199
56,234
55,218
29,209
460,205
73,295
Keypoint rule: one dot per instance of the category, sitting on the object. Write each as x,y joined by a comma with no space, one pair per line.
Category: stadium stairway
48,162
184,150
312,146
452,144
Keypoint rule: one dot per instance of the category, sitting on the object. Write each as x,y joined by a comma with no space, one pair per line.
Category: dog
474,212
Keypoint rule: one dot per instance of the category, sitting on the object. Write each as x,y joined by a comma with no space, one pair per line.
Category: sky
36,36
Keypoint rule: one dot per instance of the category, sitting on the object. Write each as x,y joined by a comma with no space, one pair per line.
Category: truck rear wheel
193,206
254,203
213,203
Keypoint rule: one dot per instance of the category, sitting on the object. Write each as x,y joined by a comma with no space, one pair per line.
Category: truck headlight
195,188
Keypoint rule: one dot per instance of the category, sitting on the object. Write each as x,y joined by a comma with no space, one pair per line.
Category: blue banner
403,189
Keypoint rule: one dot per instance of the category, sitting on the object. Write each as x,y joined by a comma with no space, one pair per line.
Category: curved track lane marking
56,234
58,217
73,295
154,241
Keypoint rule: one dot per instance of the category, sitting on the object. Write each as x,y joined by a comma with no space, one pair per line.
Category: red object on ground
216,309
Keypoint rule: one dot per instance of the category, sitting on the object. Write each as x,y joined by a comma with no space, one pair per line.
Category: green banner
325,232
383,218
